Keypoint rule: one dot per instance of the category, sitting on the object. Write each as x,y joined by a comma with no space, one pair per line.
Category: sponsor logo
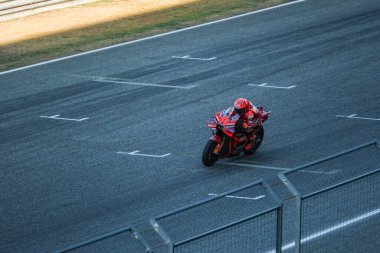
235,117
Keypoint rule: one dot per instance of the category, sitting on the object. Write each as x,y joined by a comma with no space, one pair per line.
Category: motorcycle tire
208,156
258,140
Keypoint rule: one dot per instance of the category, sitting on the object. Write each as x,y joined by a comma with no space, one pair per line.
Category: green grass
122,30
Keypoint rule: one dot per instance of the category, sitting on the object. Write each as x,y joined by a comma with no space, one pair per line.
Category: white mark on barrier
256,166
265,85
353,116
320,172
187,57
280,169
60,118
136,152
238,197
332,229
123,81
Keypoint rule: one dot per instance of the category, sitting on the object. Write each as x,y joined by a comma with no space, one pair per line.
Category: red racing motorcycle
228,136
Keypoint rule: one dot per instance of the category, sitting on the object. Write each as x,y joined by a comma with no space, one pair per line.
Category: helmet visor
240,111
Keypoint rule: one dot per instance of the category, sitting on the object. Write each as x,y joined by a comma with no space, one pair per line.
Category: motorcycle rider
250,118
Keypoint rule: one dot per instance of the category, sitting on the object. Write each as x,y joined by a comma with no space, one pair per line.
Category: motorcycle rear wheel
258,140
208,156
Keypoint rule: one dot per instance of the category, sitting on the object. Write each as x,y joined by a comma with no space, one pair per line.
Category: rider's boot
249,145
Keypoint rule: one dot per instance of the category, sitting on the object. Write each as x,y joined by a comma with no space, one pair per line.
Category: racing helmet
241,105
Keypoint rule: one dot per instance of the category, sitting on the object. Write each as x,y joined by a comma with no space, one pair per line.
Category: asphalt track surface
63,181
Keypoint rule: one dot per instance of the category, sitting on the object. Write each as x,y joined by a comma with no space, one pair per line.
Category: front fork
219,141
222,146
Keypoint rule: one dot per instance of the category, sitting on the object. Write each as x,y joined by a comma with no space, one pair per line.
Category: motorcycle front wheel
208,156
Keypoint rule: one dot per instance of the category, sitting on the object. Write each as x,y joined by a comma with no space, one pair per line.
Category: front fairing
224,121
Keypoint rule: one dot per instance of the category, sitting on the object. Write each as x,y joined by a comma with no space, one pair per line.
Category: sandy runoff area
61,20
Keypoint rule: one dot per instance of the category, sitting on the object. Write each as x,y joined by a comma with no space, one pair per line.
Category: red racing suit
251,119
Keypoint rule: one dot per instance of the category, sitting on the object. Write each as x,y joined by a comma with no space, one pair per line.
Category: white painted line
256,166
238,197
250,161
133,152
60,118
121,81
145,84
152,37
187,57
332,229
353,116
136,152
265,85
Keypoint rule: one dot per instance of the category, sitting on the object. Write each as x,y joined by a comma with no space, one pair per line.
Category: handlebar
265,115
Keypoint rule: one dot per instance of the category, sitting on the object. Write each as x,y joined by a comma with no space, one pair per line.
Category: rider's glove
247,128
